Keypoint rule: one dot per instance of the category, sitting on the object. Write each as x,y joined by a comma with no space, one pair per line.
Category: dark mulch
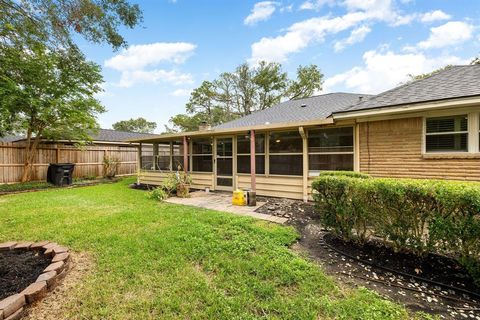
436,268
19,269
416,295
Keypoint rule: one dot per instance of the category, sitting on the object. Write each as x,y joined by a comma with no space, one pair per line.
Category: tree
428,74
246,90
140,125
476,60
53,22
48,94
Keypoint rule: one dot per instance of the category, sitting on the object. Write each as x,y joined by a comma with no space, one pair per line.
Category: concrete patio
223,202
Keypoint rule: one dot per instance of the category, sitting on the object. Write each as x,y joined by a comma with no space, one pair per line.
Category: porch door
224,163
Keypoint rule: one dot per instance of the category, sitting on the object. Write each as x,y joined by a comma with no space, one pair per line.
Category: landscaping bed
32,186
326,249
19,269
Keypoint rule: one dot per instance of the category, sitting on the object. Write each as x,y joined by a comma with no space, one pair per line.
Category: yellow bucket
238,198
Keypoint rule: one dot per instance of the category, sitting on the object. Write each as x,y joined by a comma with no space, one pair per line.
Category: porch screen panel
163,157
177,156
330,149
202,155
286,153
243,153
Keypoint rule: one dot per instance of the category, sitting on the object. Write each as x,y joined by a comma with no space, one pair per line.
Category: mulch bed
19,269
415,294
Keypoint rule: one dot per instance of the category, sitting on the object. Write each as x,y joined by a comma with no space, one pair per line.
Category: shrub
158,194
110,165
422,216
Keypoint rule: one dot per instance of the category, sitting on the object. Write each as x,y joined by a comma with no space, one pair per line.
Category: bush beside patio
422,216
157,260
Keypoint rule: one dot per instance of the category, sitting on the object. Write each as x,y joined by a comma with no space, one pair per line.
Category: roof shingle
453,82
316,107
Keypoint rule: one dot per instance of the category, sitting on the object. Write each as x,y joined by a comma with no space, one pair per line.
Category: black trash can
60,174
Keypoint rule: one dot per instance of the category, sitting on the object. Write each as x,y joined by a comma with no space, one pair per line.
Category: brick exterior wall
393,148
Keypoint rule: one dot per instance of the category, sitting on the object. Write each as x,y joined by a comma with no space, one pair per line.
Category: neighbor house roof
103,135
453,82
312,108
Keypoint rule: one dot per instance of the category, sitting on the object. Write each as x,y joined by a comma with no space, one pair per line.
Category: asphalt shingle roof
454,82
317,107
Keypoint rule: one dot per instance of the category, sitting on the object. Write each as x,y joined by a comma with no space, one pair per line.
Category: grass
156,260
25,186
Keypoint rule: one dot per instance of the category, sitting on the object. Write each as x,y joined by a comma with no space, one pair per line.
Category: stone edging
12,307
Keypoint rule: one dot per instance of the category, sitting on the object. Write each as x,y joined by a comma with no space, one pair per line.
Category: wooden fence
88,160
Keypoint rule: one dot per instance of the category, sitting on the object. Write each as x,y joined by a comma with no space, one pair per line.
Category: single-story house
427,128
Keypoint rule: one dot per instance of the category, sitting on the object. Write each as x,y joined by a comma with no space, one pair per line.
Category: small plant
158,194
110,165
183,185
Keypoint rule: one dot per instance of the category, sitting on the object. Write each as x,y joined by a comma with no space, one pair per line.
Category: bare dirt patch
19,269
55,306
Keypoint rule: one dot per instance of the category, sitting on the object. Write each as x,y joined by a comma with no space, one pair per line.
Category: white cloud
181,92
302,34
384,70
261,11
137,63
434,16
129,78
357,35
315,5
140,56
450,33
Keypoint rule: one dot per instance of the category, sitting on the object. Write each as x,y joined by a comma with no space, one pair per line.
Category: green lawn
162,261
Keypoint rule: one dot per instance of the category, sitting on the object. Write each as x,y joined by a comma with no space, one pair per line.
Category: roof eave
226,131
405,108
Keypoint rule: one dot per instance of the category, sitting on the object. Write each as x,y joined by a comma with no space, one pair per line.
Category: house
101,137
428,128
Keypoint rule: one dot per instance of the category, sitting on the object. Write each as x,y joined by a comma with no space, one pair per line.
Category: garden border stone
12,307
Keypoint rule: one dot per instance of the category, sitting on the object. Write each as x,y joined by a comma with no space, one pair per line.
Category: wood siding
275,186
88,160
200,180
393,148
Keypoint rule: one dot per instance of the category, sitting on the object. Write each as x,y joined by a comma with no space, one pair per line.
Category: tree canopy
54,22
140,125
247,89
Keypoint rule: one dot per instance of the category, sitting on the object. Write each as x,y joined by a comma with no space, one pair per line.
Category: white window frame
473,130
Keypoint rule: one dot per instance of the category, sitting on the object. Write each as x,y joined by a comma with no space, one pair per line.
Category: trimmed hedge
351,174
422,216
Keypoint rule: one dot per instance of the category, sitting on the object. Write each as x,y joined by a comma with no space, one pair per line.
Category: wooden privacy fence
88,160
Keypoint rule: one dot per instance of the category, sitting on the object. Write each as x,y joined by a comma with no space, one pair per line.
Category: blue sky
365,46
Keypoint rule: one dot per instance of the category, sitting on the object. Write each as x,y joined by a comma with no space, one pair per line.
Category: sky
361,46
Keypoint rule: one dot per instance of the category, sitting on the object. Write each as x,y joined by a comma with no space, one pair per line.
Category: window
243,153
446,134
286,156
330,149
202,155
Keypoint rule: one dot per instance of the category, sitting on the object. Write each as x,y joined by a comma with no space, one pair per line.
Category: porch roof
227,131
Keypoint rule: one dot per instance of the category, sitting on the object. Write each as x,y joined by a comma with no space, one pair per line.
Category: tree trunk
30,150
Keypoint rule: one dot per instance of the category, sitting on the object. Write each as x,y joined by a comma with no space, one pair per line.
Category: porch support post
155,156
185,154
305,163
252,161
139,162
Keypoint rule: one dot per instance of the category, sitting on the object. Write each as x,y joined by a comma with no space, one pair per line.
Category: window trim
473,132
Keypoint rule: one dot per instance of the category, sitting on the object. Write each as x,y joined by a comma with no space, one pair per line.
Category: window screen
202,155
447,134
243,153
286,153
330,149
